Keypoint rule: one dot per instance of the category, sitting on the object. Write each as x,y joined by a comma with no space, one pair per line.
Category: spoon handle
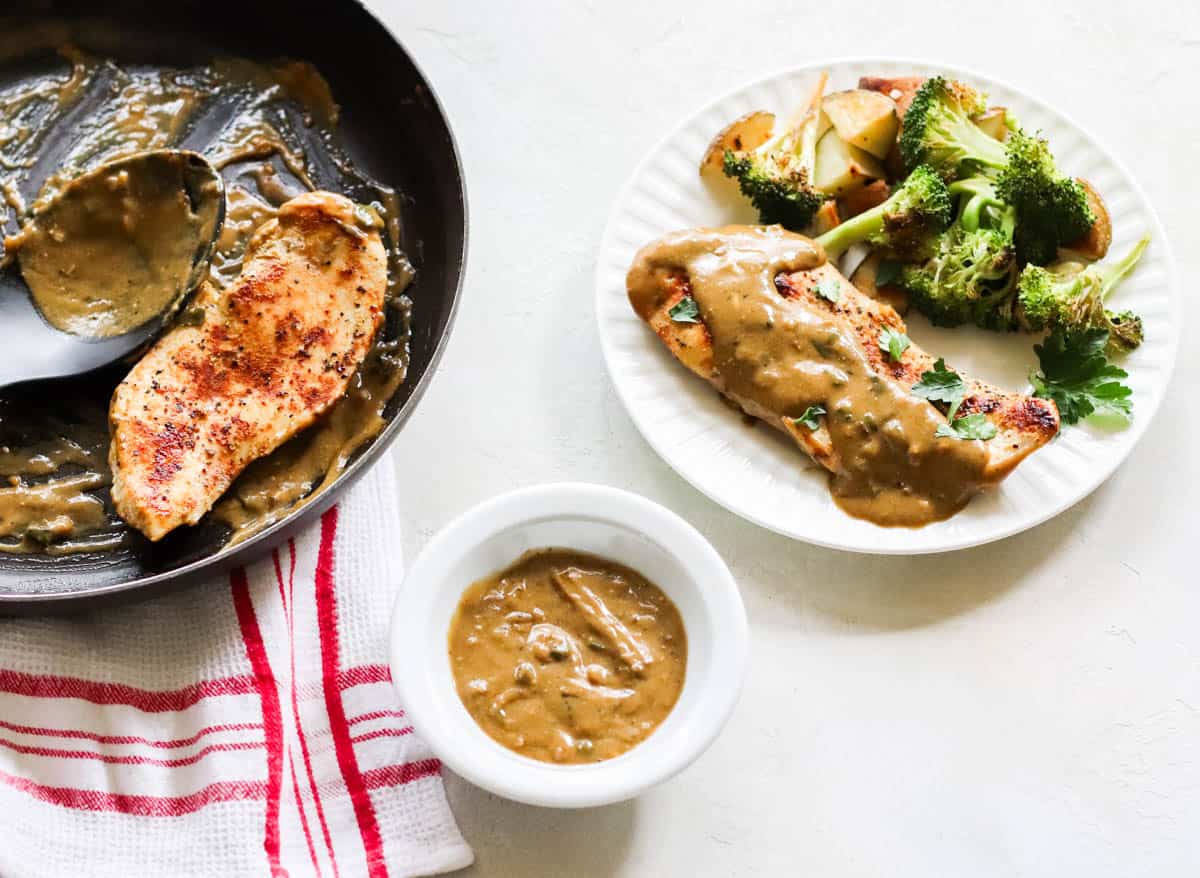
31,349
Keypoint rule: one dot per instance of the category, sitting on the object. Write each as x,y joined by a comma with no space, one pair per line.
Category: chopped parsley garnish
887,272
685,311
811,417
975,426
893,343
940,384
830,288
1078,377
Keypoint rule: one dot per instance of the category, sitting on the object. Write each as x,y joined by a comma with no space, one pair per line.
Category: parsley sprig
1077,375
940,384
975,426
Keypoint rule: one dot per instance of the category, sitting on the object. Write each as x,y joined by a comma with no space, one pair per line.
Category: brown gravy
252,121
53,485
777,356
117,247
568,658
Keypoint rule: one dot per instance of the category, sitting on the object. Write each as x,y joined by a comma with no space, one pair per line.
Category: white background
1027,708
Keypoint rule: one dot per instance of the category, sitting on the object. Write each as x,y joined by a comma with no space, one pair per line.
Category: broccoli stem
970,215
1113,274
808,138
775,142
845,235
983,197
982,147
981,193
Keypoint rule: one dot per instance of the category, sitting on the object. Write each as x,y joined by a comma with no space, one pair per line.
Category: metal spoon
106,262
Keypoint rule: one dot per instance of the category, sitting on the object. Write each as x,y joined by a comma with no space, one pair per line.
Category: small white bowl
589,518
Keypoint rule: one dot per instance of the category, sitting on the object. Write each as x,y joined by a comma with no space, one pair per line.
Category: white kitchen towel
244,726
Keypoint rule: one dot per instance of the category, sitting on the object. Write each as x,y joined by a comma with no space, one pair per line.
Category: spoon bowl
105,263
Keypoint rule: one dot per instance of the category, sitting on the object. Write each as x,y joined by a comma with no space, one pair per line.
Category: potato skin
906,86
856,201
994,123
745,133
864,118
901,89
826,218
1094,245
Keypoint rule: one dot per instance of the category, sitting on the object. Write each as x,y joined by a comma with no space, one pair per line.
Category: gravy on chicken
776,355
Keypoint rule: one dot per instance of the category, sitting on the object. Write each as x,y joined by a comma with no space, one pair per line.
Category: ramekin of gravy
568,645
567,657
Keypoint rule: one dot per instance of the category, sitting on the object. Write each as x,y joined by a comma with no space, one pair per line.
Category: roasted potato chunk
866,119
841,167
748,132
1094,245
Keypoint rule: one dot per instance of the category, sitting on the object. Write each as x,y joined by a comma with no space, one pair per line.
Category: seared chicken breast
804,305
263,359
1023,423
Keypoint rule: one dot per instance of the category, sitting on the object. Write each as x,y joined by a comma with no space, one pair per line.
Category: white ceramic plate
758,473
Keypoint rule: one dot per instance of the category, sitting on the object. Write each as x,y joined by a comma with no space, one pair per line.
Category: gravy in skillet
268,128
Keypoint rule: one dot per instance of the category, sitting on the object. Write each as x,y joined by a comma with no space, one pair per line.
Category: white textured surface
758,473
1031,707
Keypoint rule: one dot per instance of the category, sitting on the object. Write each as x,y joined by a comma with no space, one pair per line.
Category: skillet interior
391,126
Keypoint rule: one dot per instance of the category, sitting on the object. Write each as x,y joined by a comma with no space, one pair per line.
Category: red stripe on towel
141,806
382,733
312,781
375,714
171,744
362,675
148,700
256,651
279,581
312,851
364,809
128,759
397,775
289,614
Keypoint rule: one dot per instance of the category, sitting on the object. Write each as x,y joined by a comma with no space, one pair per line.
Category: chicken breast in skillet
273,352
760,314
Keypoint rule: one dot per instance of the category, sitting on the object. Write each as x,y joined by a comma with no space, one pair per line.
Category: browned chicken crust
274,351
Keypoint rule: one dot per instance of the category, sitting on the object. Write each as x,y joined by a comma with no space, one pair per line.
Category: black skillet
391,125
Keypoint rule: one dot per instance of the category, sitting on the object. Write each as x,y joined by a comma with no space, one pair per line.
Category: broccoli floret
982,207
939,131
777,176
969,279
1071,297
1052,209
905,226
